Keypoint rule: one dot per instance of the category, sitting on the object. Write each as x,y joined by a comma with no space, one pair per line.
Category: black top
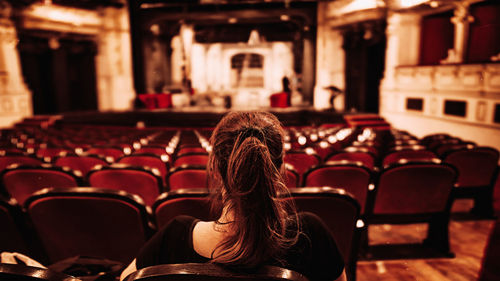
315,255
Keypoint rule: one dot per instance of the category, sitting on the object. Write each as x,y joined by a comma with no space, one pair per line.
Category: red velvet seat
187,176
9,159
191,159
142,181
408,153
302,160
193,202
88,221
187,149
49,153
354,154
477,172
351,176
340,212
148,160
82,163
112,153
154,149
415,192
20,181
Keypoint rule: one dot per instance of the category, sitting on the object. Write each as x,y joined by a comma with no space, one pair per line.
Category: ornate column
15,98
461,20
114,61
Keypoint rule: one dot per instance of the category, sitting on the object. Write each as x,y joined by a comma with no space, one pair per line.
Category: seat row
115,224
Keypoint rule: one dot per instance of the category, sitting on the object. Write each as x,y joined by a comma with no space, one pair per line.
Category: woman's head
246,164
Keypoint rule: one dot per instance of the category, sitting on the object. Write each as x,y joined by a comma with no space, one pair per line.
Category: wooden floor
467,240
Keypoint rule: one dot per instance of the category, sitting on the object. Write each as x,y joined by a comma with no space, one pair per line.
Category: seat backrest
193,202
353,177
358,154
210,271
302,160
142,181
476,166
407,154
7,160
339,211
413,188
147,160
80,163
21,181
186,149
18,272
154,149
51,152
191,159
88,221
109,152
187,176
11,236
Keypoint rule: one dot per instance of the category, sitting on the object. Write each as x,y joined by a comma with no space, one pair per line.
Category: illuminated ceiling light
232,20
285,17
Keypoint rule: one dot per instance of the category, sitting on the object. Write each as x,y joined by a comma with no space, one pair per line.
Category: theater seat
302,160
82,163
415,192
354,177
340,212
193,158
193,202
20,181
210,271
292,177
142,181
15,158
477,171
88,221
187,176
361,154
148,160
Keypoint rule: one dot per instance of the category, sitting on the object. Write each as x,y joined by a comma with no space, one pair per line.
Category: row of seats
115,224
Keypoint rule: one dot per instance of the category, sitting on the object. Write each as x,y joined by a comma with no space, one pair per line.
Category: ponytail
246,164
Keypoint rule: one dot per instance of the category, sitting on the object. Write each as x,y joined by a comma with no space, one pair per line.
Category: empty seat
148,160
415,192
477,172
193,202
210,271
14,158
142,181
187,176
18,272
154,149
351,176
340,212
82,163
193,148
48,153
89,221
409,153
193,158
111,152
19,182
361,154
302,160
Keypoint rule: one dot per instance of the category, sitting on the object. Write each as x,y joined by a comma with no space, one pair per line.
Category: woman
254,227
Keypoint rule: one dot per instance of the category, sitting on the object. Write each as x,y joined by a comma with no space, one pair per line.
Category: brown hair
246,165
